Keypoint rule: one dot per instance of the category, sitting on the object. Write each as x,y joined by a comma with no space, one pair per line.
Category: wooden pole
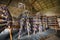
28,28
19,37
10,32
34,32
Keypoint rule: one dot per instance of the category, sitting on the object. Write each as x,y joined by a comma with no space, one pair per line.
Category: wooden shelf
52,22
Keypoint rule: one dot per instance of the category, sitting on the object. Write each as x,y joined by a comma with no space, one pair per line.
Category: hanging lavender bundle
5,17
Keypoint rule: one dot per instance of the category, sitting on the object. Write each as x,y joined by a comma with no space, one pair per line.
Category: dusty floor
53,38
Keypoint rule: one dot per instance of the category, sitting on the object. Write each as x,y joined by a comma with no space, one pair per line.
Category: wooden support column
10,31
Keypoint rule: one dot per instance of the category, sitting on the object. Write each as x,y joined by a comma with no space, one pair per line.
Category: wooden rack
52,22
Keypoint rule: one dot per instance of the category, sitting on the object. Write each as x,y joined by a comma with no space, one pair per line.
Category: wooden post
28,28
34,32
10,32
19,37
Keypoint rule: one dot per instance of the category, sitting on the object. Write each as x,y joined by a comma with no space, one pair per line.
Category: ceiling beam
9,2
33,2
